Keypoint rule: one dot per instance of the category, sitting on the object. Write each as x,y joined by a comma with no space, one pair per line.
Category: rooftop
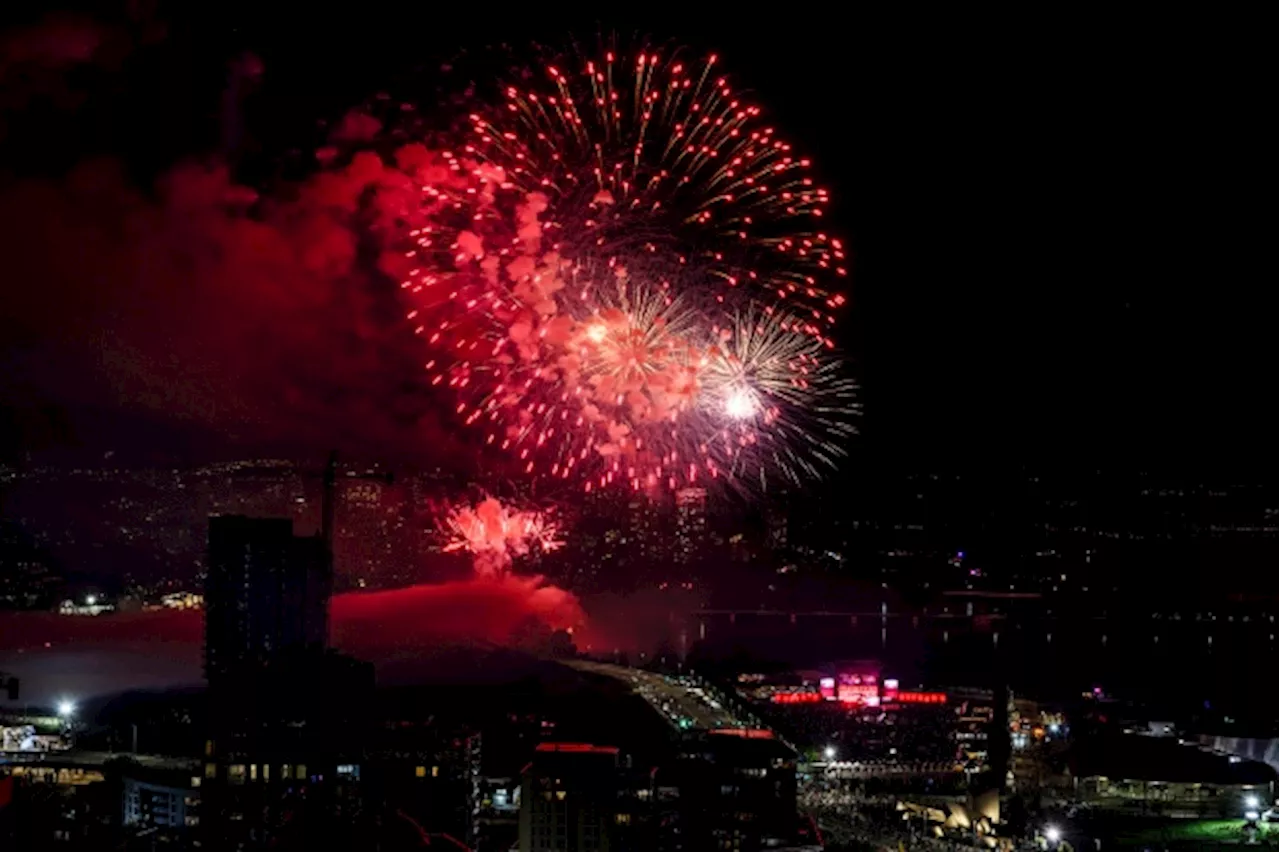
1163,760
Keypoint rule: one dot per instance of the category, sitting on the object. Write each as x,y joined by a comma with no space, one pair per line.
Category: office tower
287,714
266,592
369,515
568,798
691,523
731,789
285,753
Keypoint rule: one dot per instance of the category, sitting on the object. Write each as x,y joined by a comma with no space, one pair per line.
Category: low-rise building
1152,775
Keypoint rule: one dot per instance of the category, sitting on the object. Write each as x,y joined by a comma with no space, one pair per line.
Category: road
680,701
95,759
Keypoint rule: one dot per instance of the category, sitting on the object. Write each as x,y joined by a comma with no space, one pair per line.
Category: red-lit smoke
199,304
84,656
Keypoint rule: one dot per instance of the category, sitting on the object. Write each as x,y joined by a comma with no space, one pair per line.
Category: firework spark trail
494,534
777,400
619,277
675,147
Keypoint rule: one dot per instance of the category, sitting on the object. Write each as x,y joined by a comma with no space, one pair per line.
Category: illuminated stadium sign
858,693
922,697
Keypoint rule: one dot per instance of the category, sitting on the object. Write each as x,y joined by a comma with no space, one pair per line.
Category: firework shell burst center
621,273
494,534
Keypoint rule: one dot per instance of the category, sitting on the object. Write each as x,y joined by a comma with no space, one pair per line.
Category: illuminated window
300,772
286,771
266,772
622,819
435,772
211,770
419,772
560,795
253,772
235,773
195,780
208,748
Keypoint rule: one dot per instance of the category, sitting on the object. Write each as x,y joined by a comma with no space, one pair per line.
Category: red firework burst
494,534
579,269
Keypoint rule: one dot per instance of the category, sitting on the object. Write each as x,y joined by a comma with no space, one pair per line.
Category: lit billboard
23,738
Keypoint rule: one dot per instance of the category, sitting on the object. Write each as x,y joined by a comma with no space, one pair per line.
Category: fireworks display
621,274
494,534
667,153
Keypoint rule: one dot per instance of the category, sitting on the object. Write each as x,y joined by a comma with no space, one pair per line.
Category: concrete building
267,591
1162,776
170,801
568,798
691,524
731,789
287,734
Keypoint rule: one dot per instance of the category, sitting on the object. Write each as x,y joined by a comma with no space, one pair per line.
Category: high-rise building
569,799
368,529
286,752
691,523
731,789
287,714
266,592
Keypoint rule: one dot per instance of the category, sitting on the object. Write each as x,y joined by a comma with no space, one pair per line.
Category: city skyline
644,430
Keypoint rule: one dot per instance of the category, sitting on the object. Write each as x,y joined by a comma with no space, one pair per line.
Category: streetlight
66,709
829,752
1053,834
1251,802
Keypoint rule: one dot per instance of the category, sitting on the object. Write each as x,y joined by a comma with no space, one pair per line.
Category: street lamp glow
91,600
829,752
1251,802
1053,833
66,709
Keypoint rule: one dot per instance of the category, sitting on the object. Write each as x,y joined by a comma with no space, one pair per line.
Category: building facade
172,803
568,796
266,591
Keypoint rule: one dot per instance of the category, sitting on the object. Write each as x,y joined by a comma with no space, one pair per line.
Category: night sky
1057,252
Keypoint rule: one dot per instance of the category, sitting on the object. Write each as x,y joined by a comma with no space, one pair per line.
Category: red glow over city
796,698
396,630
